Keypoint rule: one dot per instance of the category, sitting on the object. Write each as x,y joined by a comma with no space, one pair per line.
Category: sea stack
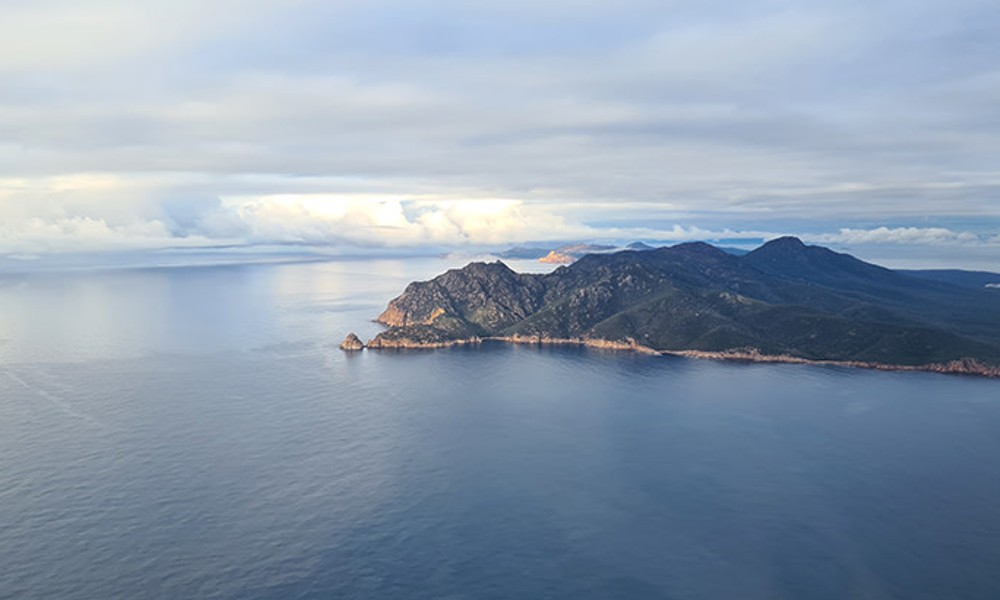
352,343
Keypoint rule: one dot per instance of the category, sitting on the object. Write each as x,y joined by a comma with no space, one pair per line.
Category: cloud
310,220
901,235
378,221
316,220
63,35
395,123
86,234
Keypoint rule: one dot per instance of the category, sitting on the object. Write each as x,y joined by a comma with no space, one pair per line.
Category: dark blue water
195,433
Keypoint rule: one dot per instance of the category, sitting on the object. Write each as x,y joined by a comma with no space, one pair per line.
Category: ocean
194,432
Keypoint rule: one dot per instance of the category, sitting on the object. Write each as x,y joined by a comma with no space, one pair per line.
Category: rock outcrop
352,343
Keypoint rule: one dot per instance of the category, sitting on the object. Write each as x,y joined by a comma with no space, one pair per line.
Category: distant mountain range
564,254
523,253
784,301
640,246
568,253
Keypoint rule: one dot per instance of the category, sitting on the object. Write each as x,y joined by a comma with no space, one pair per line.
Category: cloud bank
398,124
358,222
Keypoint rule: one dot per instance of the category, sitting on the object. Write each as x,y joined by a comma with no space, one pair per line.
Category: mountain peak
788,242
787,248
639,246
695,249
497,266
789,257
697,244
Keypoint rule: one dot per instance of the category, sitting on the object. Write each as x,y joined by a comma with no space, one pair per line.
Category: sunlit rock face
352,343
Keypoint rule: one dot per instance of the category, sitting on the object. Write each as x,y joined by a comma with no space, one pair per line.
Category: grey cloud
711,113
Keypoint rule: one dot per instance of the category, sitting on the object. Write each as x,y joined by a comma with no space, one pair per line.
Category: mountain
639,246
785,300
524,253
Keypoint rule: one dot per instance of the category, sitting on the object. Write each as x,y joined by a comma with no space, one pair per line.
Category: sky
871,127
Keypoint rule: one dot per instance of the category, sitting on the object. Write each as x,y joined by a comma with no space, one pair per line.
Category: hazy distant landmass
565,255
784,301
568,253
639,246
524,253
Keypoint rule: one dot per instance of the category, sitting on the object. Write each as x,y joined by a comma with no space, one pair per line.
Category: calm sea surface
196,433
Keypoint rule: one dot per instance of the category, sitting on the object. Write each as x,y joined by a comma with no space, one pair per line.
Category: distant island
783,302
565,254
569,253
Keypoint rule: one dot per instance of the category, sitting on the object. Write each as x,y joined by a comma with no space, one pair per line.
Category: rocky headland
784,302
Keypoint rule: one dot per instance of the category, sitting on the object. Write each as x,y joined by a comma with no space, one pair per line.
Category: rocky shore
966,366
378,343
628,345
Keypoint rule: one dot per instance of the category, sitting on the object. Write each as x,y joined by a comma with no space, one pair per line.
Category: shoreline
964,366
627,346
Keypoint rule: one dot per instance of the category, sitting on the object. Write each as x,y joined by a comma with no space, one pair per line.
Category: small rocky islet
784,302
352,343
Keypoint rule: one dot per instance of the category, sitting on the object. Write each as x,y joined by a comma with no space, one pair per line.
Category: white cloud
320,220
391,221
83,234
900,235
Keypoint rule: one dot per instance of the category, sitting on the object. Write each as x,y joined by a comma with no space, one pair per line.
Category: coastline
964,366
627,346
377,344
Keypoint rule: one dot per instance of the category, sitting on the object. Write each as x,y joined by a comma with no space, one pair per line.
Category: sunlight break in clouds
387,221
356,221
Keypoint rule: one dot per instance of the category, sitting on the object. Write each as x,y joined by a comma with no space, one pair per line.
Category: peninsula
783,302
